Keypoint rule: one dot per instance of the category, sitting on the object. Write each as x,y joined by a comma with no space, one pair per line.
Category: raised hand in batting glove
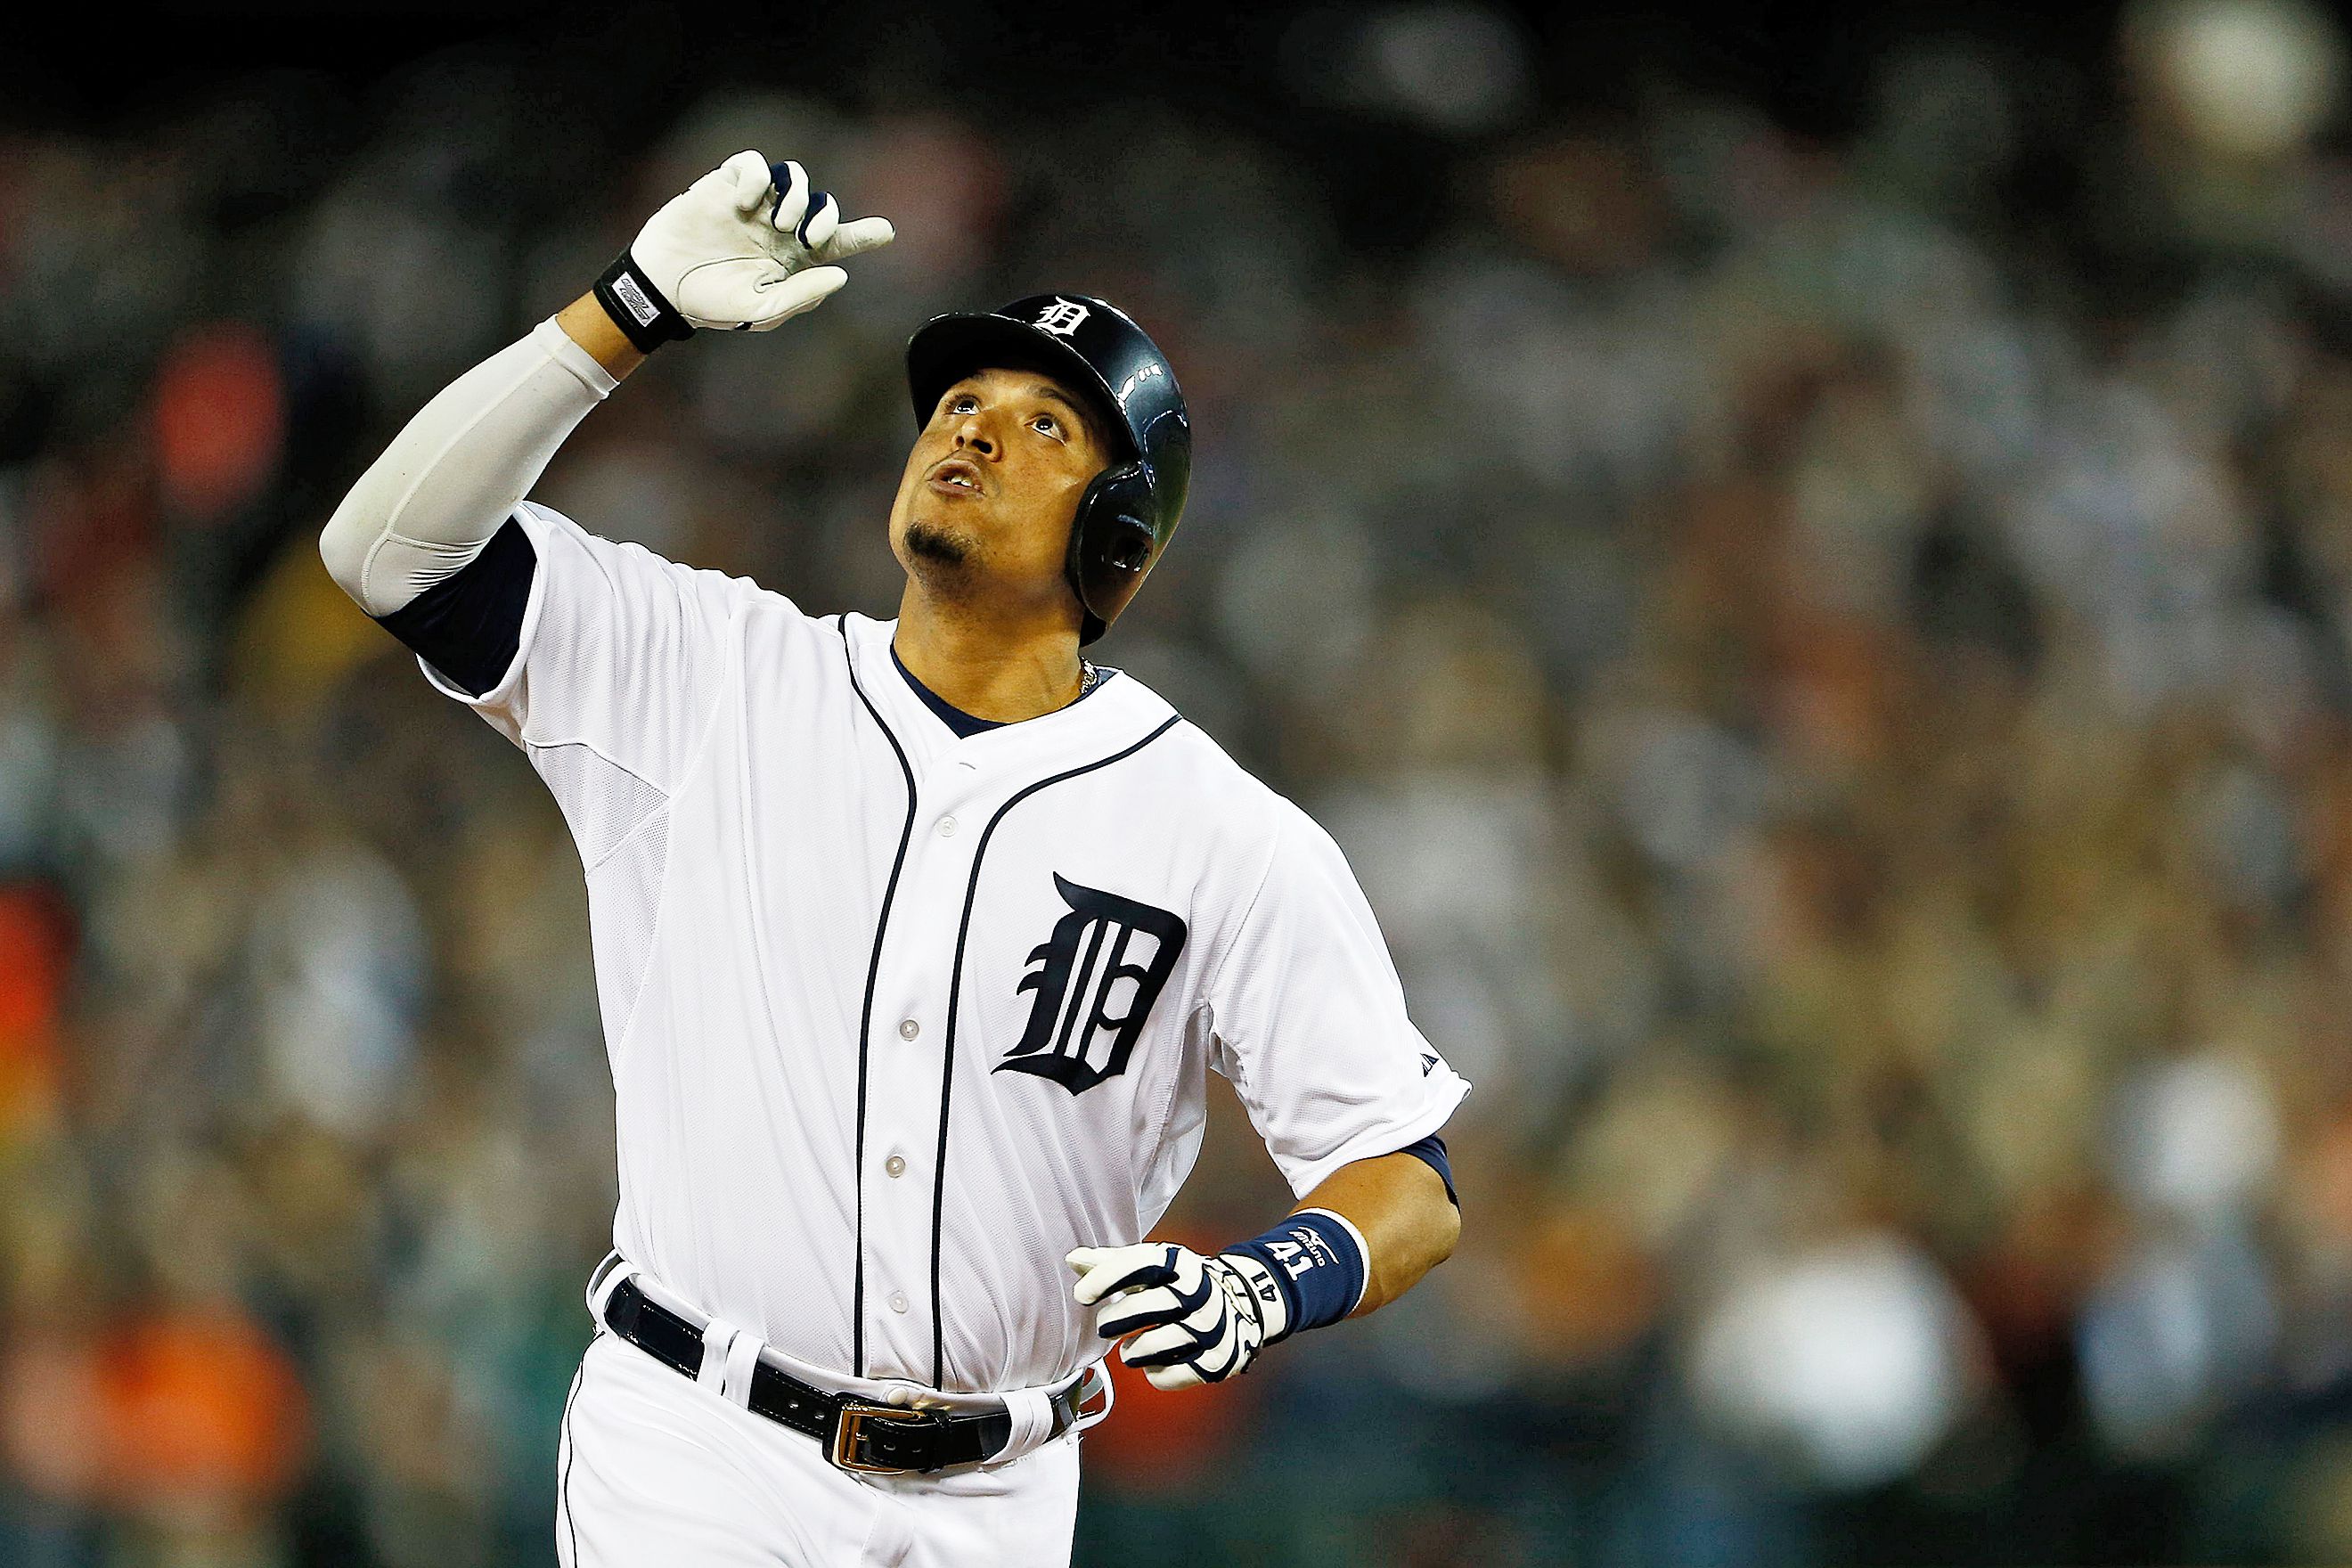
743,249
1194,1320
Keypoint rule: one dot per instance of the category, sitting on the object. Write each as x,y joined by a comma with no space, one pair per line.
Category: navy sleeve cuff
1431,1150
468,625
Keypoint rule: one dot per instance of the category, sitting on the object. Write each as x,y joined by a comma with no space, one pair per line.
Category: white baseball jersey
895,1019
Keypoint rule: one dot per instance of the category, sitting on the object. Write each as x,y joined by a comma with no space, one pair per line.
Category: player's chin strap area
890,1438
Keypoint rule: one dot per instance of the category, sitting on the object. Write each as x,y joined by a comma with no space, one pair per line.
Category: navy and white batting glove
744,249
1193,1320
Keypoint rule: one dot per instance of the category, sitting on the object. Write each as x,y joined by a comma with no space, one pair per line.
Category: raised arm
739,249
454,475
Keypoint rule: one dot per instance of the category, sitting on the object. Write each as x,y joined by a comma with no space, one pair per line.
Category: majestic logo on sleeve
1096,979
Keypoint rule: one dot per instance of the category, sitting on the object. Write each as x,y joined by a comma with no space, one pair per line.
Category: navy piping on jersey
865,1013
1431,1151
468,625
955,991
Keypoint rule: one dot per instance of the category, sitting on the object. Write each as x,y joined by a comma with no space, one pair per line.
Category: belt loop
718,1336
742,1359
604,1281
1096,1380
1032,1410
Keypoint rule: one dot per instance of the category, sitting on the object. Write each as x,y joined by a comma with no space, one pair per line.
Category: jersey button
896,1164
908,1028
898,1302
946,828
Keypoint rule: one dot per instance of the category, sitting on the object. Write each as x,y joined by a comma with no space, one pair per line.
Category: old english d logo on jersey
1094,988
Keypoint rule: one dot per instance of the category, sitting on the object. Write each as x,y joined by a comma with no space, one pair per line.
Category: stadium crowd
1828,654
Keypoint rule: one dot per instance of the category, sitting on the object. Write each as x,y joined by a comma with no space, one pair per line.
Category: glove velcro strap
1266,1291
1316,1261
637,307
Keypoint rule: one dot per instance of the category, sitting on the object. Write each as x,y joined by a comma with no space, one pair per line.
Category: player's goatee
937,545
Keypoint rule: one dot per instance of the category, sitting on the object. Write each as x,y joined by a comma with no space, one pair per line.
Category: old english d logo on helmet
1061,318
1127,515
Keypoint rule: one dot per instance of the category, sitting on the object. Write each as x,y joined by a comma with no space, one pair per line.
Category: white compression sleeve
454,474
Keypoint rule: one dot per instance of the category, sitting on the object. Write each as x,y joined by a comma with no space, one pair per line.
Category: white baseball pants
655,1468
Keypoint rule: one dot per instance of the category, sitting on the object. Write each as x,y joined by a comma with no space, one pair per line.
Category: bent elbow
335,558
1445,1233
344,543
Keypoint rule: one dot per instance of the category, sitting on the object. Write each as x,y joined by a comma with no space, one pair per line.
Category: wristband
639,309
1316,1261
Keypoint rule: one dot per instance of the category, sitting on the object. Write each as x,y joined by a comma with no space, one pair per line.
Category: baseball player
914,940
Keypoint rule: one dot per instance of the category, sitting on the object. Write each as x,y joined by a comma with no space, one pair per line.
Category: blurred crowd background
1809,567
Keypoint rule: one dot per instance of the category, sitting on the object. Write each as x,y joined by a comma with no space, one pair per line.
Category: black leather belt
878,1439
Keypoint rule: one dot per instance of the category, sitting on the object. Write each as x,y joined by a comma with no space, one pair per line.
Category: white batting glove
743,249
1194,1320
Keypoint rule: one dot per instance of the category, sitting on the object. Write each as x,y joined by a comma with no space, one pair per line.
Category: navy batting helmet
1130,511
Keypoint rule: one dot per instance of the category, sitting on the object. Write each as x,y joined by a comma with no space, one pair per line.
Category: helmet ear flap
1112,541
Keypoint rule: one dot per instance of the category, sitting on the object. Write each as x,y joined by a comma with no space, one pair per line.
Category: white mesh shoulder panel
621,824
603,801
624,907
